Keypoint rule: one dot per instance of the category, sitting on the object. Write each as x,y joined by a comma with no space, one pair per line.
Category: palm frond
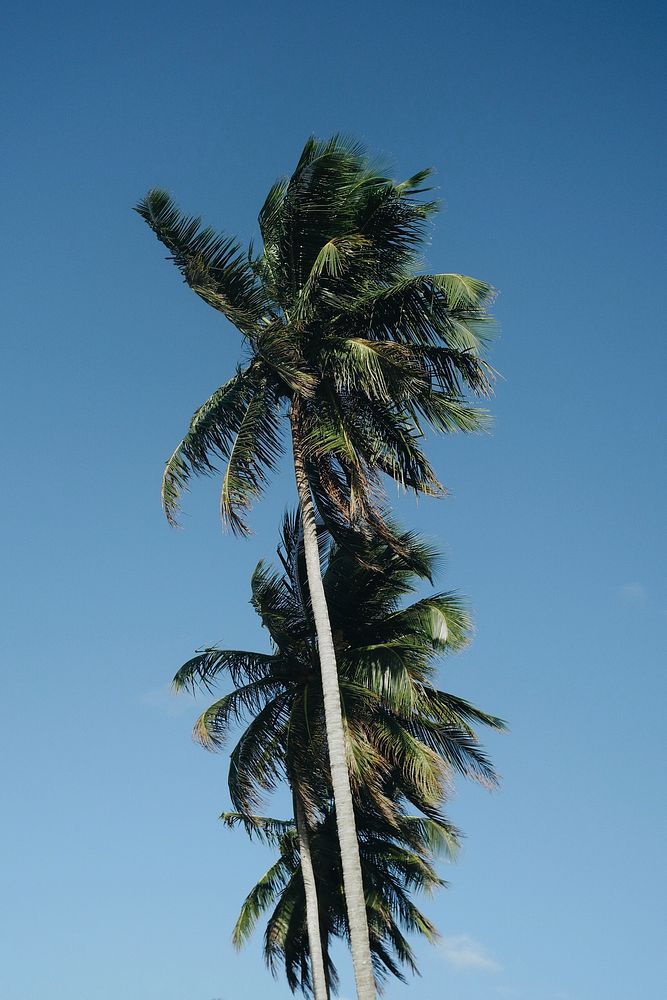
242,666
213,725
259,899
264,828
450,707
215,266
437,837
380,369
282,354
312,209
210,437
456,746
281,611
413,185
441,619
449,414
252,454
256,763
418,765
429,310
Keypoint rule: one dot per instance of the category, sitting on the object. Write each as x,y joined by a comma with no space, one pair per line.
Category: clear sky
543,122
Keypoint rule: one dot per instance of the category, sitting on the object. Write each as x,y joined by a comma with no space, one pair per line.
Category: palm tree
405,736
357,350
397,860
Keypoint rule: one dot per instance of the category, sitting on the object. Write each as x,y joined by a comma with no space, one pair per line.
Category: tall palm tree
405,736
357,350
397,860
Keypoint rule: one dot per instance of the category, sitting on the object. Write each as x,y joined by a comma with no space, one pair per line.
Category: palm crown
396,861
341,332
405,737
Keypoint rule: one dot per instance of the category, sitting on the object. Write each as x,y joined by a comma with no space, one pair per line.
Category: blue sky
542,121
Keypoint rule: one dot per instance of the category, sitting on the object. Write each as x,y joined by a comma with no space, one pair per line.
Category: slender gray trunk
340,779
318,973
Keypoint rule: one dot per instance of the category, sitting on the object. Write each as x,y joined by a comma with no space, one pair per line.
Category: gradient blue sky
542,120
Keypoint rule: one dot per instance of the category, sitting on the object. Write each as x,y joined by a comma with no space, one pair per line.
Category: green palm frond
452,368
450,707
259,899
380,369
338,257
204,669
210,436
265,828
390,442
443,620
256,763
213,725
281,353
315,201
240,425
252,454
455,745
420,766
433,837
464,293
395,223
418,310
413,185
385,670
449,414
282,612
284,941
377,578
215,267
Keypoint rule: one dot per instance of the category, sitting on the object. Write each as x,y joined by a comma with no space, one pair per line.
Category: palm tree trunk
320,991
340,779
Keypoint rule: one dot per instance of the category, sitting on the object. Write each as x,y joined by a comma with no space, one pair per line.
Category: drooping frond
281,355
210,436
385,669
390,442
259,899
213,725
419,765
239,424
450,707
256,763
454,744
253,453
